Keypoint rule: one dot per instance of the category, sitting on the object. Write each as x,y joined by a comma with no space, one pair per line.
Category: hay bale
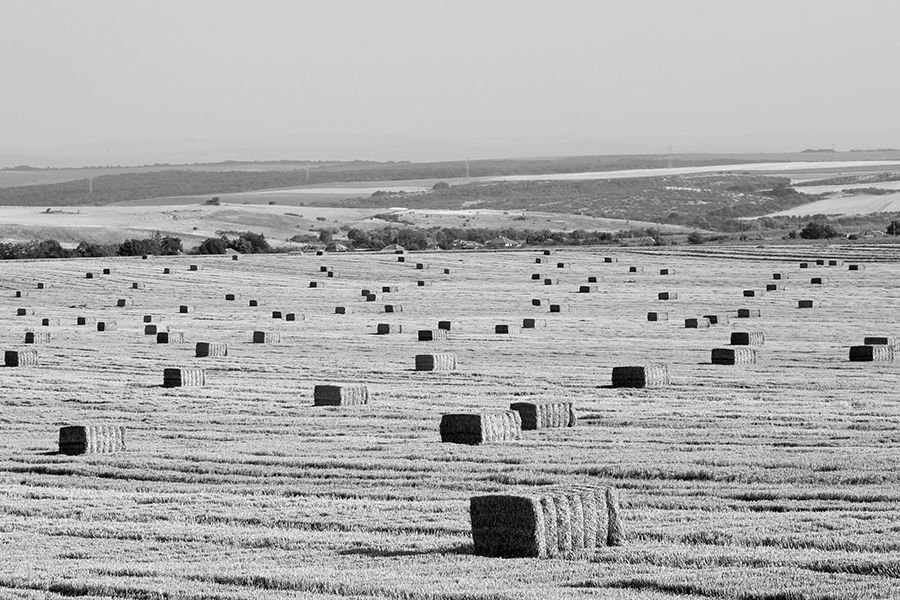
266,337
717,319
320,253
804,265
184,309
294,317
88,275
316,284
652,375
780,276
667,271
820,262
401,259
169,337
833,263
85,320
870,353
545,413
347,394
137,285
342,310
747,338
539,301
365,292
330,274
536,276
545,252
559,308
481,428
432,335
123,302
422,283
148,318
167,271
533,323
550,281
610,259
388,328
446,271
635,269
150,329
657,316
806,304
741,355
21,358
592,279
388,289
46,322
91,439
557,523
40,285
501,329
211,349
421,266
393,308
563,265
174,377
696,323
817,281
323,269
20,294
23,312
447,325
587,289
107,326
107,271
371,298
752,293
194,268
774,287
881,340
748,313
234,257
667,296
855,267
253,303
37,337
436,362
276,314
229,297
541,260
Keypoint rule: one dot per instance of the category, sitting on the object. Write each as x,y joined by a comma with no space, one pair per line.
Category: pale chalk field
774,481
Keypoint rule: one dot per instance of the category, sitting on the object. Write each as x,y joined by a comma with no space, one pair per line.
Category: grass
771,481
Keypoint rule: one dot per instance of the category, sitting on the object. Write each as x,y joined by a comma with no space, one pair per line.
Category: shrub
212,246
818,230
214,201
695,237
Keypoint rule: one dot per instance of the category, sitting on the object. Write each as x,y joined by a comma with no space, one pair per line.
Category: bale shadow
462,549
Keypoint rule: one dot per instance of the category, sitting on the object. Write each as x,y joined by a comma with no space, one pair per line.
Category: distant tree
818,230
893,228
440,185
212,246
326,236
214,201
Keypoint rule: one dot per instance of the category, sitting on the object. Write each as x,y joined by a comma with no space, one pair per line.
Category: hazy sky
423,79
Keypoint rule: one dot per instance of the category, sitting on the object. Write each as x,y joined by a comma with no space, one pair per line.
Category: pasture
769,481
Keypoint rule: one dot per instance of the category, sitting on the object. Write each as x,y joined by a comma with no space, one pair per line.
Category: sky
125,82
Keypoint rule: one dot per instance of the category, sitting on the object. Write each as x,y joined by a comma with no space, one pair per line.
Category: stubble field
774,481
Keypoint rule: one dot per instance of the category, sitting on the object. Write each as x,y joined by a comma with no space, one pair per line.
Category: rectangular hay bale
645,376
352,394
545,413
481,428
266,337
696,323
436,362
183,377
20,358
869,353
741,355
657,316
211,349
747,338
91,439
169,337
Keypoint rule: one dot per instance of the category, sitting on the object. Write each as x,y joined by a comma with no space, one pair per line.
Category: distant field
773,481
193,222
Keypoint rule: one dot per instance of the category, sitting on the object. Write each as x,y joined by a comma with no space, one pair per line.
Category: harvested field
772,480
